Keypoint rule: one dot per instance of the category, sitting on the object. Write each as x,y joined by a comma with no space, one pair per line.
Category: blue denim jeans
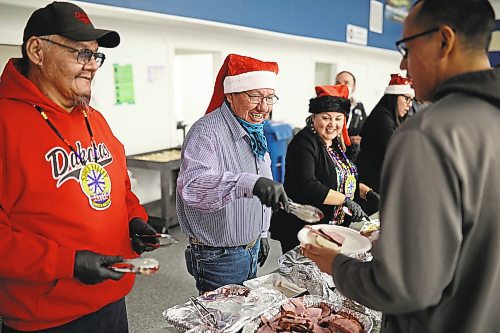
214,267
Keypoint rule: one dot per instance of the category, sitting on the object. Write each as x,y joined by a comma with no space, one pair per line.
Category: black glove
137,228
357,213
92,268
271,193
263,251
373,196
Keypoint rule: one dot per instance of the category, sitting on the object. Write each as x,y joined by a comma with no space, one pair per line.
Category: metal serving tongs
307,213
206,316
164,240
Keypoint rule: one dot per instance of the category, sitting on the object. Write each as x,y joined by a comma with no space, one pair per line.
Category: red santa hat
239,73
332,99
400,86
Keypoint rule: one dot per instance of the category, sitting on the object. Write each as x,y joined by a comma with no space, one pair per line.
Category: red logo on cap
82,17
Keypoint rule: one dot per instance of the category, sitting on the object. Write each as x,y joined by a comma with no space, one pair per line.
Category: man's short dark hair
349,73
474,20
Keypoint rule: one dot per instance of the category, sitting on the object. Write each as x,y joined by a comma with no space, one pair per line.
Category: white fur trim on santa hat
249,81
400,89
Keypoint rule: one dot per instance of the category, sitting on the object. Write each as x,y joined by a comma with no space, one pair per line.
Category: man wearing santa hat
225,187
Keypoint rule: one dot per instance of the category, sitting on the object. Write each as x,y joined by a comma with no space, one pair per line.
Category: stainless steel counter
167,162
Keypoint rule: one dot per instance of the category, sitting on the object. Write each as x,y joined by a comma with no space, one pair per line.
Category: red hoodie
49,208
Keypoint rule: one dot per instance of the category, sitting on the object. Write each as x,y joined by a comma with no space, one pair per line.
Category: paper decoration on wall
376,16
124,84
397,10
356,34
156,73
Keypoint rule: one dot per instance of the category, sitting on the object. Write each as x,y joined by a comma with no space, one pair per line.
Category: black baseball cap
70,21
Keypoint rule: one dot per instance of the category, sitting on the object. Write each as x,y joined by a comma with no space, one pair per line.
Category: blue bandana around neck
257,138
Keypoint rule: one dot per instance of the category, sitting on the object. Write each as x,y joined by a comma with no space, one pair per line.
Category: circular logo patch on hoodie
96,185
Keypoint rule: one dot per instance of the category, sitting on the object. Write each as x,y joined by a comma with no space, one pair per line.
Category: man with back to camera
224,188
66,208
436,266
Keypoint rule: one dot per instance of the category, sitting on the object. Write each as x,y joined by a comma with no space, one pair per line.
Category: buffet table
296,277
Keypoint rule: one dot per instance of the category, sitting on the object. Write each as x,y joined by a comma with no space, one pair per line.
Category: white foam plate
354,242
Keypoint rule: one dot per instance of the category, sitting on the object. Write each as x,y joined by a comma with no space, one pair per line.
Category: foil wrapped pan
305,274
313,301
376,316
225,310
278,282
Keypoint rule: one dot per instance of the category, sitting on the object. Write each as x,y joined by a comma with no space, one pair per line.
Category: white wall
150,39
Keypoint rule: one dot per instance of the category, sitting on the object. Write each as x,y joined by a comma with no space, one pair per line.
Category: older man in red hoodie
66,208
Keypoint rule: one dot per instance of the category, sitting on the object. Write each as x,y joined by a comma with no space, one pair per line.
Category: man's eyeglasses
401,44
83,55
257,99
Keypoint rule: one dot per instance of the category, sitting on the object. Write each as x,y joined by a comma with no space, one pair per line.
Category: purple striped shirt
215,203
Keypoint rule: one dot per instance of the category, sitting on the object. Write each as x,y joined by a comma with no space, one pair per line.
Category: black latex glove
263,251
373,196
92,268
136,228
271,193
357,213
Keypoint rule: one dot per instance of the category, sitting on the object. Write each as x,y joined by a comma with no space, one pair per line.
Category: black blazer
310,173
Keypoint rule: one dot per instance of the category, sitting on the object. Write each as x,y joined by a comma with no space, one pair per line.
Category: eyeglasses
84,55
408,99
401,44
257,99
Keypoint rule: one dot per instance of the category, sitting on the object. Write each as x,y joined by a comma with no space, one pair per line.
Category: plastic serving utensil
144,266
307,213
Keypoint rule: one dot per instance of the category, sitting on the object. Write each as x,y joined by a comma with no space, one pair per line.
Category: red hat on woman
239,73
399,85
332,99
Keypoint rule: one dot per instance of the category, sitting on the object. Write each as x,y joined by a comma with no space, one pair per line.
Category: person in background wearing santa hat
318,172
356,116
386,117
225,190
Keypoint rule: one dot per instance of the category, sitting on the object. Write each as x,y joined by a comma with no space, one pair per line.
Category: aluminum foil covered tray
376,316
310,314
227,309
278,282
305,274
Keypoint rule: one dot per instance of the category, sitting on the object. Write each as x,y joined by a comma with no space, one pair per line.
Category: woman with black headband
318,172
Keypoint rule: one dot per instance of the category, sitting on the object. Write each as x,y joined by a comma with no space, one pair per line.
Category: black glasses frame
401,44
408,99
84,55
270,100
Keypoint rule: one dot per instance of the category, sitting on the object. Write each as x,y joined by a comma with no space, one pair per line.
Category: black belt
194,241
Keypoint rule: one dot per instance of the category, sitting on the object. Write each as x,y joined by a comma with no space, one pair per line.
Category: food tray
310,301
225,310
277,282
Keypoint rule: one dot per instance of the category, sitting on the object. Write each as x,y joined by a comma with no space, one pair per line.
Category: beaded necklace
346,178
347,174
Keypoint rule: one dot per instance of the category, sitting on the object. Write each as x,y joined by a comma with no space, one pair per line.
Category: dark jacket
310,174
376,133
436,267
357,117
